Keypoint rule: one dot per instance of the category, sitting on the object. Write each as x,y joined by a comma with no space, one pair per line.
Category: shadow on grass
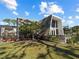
66,53
63,52
41,56
14,56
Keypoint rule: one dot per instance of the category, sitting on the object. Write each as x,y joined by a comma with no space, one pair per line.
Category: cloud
50,8
10,4
1,23
73,17
33,6
72,21
43,7
55,9
50,3
63,22
68,22
15,13
76,17
46,15
27,13
70,17
77,10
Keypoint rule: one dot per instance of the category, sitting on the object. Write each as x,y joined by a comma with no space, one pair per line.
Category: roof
48,18
7,26
57,17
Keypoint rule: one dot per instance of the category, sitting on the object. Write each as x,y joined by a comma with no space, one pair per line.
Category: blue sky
38,9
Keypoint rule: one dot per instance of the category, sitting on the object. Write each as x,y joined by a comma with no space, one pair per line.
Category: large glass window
53,23
57,31
53,32
56,24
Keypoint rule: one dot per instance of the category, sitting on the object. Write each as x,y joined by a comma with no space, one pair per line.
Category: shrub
54,38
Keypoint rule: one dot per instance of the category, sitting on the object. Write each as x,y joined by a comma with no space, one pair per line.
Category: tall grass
36,50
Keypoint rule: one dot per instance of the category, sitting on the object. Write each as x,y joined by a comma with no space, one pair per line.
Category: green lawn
36,50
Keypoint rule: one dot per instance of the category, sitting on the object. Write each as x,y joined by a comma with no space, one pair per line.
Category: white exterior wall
59,27
3,29
14,30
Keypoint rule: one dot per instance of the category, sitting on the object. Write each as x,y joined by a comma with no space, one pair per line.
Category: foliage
10,21
29,29
75,29
74,39
54,39
72,32
66,29
7,21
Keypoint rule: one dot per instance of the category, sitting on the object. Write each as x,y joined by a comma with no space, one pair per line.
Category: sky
36,10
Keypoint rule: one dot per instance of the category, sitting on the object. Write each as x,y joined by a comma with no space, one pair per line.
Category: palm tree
10,21
7,21
13,22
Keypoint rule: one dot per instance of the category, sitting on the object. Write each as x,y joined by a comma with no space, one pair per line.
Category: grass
36,50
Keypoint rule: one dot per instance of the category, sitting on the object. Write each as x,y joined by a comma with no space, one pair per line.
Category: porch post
17,29
55,27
